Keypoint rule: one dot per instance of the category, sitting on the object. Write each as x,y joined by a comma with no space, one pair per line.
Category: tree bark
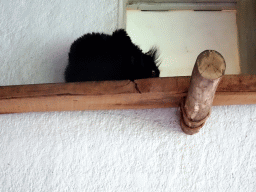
195,109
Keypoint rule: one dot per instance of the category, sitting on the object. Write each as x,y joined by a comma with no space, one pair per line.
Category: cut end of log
211,64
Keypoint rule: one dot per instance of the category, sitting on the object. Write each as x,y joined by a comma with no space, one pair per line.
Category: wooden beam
141,94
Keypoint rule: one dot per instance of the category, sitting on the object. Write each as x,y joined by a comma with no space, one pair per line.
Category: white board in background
182,35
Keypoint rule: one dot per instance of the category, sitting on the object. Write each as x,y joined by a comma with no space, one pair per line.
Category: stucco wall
36,35
123,150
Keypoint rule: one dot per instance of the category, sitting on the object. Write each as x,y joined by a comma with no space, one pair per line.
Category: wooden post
195,109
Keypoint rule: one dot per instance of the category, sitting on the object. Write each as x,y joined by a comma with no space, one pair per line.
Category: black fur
98,57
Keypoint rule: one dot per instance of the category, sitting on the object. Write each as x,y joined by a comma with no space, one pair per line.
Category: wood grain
140,94
83,88
208,70
210,66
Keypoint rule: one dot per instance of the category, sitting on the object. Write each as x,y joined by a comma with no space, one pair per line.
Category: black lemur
98,57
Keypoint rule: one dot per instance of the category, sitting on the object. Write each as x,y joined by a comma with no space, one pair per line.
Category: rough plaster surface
126,150
35,35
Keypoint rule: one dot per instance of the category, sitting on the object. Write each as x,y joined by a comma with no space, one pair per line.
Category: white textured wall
35,35
123,150
129,150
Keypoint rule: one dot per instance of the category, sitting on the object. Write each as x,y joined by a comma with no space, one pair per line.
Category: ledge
141,94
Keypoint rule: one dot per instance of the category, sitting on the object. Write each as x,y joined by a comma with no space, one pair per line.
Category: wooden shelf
140,94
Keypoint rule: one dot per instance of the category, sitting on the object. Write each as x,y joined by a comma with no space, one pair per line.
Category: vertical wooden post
210,66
